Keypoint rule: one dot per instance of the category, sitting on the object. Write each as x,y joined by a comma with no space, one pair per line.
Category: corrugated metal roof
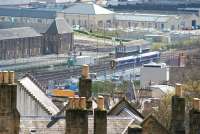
33,89
21,32
87,9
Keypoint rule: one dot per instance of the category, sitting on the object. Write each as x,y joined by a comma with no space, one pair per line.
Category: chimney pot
85,71
82,103
71,102
5,77
76,102
196,103
178,90
11,77
100,103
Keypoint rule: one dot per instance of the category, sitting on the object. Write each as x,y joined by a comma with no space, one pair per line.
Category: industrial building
19,43
89,15
152,73
22,42
161,22
132,48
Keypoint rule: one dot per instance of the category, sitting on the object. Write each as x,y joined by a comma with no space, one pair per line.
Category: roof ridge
35,98
46,108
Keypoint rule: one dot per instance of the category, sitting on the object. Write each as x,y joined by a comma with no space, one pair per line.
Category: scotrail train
138,60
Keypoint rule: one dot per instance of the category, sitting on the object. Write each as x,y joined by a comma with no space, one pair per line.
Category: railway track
44,77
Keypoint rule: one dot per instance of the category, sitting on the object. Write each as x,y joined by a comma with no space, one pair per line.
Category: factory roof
13,2
20,32
145,17
153,64
137,42
59,26
27,12
87,9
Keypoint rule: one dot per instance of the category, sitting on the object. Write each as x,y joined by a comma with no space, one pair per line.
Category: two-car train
135,60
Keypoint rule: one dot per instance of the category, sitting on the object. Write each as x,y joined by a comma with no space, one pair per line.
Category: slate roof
21,32
115,125
27,12
152,118
87,9
39,95
12,2
144,17
125,109
40,28
60,26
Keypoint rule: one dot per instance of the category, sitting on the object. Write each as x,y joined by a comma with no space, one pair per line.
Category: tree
102,87
163,112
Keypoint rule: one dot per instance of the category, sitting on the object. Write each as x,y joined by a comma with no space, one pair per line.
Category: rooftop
59,26
145,17
87,9
27,12
41,97
21,32
164,88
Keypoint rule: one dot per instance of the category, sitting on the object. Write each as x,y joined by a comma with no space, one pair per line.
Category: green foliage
123,86
184,44
108,87
101,34
163,112
102,87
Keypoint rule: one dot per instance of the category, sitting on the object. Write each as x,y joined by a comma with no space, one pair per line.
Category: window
162,26
129,24
100,23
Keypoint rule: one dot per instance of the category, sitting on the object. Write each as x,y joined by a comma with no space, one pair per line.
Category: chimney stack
178,112
85,85
194,117
76,116
100,117
10,118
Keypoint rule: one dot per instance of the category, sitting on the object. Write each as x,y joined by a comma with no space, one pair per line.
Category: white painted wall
153,74
27,106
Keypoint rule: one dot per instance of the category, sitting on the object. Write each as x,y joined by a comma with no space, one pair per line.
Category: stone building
16,14
58,37
9,115
20,43
132,48
152,125
89,15
159,21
